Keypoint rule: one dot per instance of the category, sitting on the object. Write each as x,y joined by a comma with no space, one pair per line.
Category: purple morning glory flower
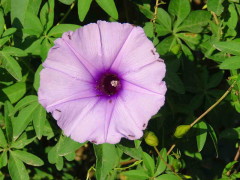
103,82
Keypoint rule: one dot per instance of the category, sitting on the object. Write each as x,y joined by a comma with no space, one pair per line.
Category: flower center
109,84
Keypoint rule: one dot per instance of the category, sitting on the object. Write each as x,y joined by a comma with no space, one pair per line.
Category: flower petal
148,102
137,52
148,77
113,37
57,87
85,43
62,59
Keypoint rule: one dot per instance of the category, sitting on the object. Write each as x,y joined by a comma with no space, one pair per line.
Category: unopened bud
181,130
150,138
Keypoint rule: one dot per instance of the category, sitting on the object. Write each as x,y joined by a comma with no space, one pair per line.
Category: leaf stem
67,13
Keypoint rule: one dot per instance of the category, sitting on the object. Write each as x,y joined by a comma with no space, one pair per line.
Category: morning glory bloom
103,82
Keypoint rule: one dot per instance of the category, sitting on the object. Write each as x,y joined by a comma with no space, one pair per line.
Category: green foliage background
200,43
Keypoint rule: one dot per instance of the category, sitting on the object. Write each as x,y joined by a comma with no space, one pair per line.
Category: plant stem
207,111
67,13
214,105
168,165
235,159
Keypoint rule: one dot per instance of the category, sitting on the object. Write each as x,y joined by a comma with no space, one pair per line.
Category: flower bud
181,130
150,138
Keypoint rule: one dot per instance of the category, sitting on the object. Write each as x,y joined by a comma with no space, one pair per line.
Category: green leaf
148,163
148,29
168,177
161,166
6,4
136,175
47,15
67,2
180,9
107,158
11,65
164,19
58,30
191,39
18,12
3,142
231,63
174,82
15,91
2,22
231,47
109,7
36,82
28,158
161,30
83,8
233,133
7,35
215,80
14,51
215,6
8,108
201,135
23,103
68,146
3,159
33,24
39,118
22,141
213,137
16,168
23,119
166,45
145,9
34,6
131,151
35,48
195,22
45,46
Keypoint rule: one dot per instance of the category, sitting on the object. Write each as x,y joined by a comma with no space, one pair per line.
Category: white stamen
114,83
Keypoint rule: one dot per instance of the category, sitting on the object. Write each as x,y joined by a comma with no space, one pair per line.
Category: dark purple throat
109,84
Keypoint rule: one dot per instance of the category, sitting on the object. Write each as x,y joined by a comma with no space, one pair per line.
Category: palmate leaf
180,9
17,169
195,22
